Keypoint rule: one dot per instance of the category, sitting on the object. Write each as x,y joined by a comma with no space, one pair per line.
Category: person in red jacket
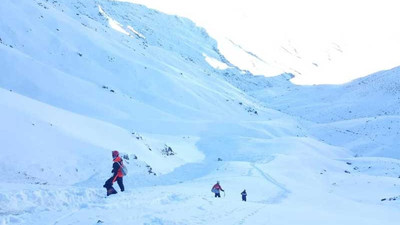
216,189
117,175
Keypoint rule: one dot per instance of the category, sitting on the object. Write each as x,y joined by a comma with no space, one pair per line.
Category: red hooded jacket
117,168
218,187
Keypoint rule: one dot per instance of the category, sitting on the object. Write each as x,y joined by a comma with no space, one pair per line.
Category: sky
321,42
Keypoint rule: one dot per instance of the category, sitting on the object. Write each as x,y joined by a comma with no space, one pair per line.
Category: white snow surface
79,79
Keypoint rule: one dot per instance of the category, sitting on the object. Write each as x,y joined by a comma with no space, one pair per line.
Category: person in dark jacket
216,190
117,175
244,195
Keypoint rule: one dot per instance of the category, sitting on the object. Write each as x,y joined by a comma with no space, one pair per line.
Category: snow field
77,82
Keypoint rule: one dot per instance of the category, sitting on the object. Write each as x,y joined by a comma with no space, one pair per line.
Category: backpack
124,170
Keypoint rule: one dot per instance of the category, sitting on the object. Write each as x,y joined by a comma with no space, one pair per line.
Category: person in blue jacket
244,194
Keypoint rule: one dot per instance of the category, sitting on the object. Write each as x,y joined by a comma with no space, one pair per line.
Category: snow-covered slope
375,95
68,56
362,115
81,78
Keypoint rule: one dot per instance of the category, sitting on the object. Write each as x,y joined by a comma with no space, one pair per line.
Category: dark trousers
218,195
109,183
243,197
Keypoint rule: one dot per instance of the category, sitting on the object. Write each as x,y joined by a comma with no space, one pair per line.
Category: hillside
82,78
148,83
362,115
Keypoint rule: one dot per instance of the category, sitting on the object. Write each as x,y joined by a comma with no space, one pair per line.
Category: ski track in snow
267,177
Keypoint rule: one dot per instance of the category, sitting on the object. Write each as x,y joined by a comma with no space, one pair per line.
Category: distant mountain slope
375,95
362,115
